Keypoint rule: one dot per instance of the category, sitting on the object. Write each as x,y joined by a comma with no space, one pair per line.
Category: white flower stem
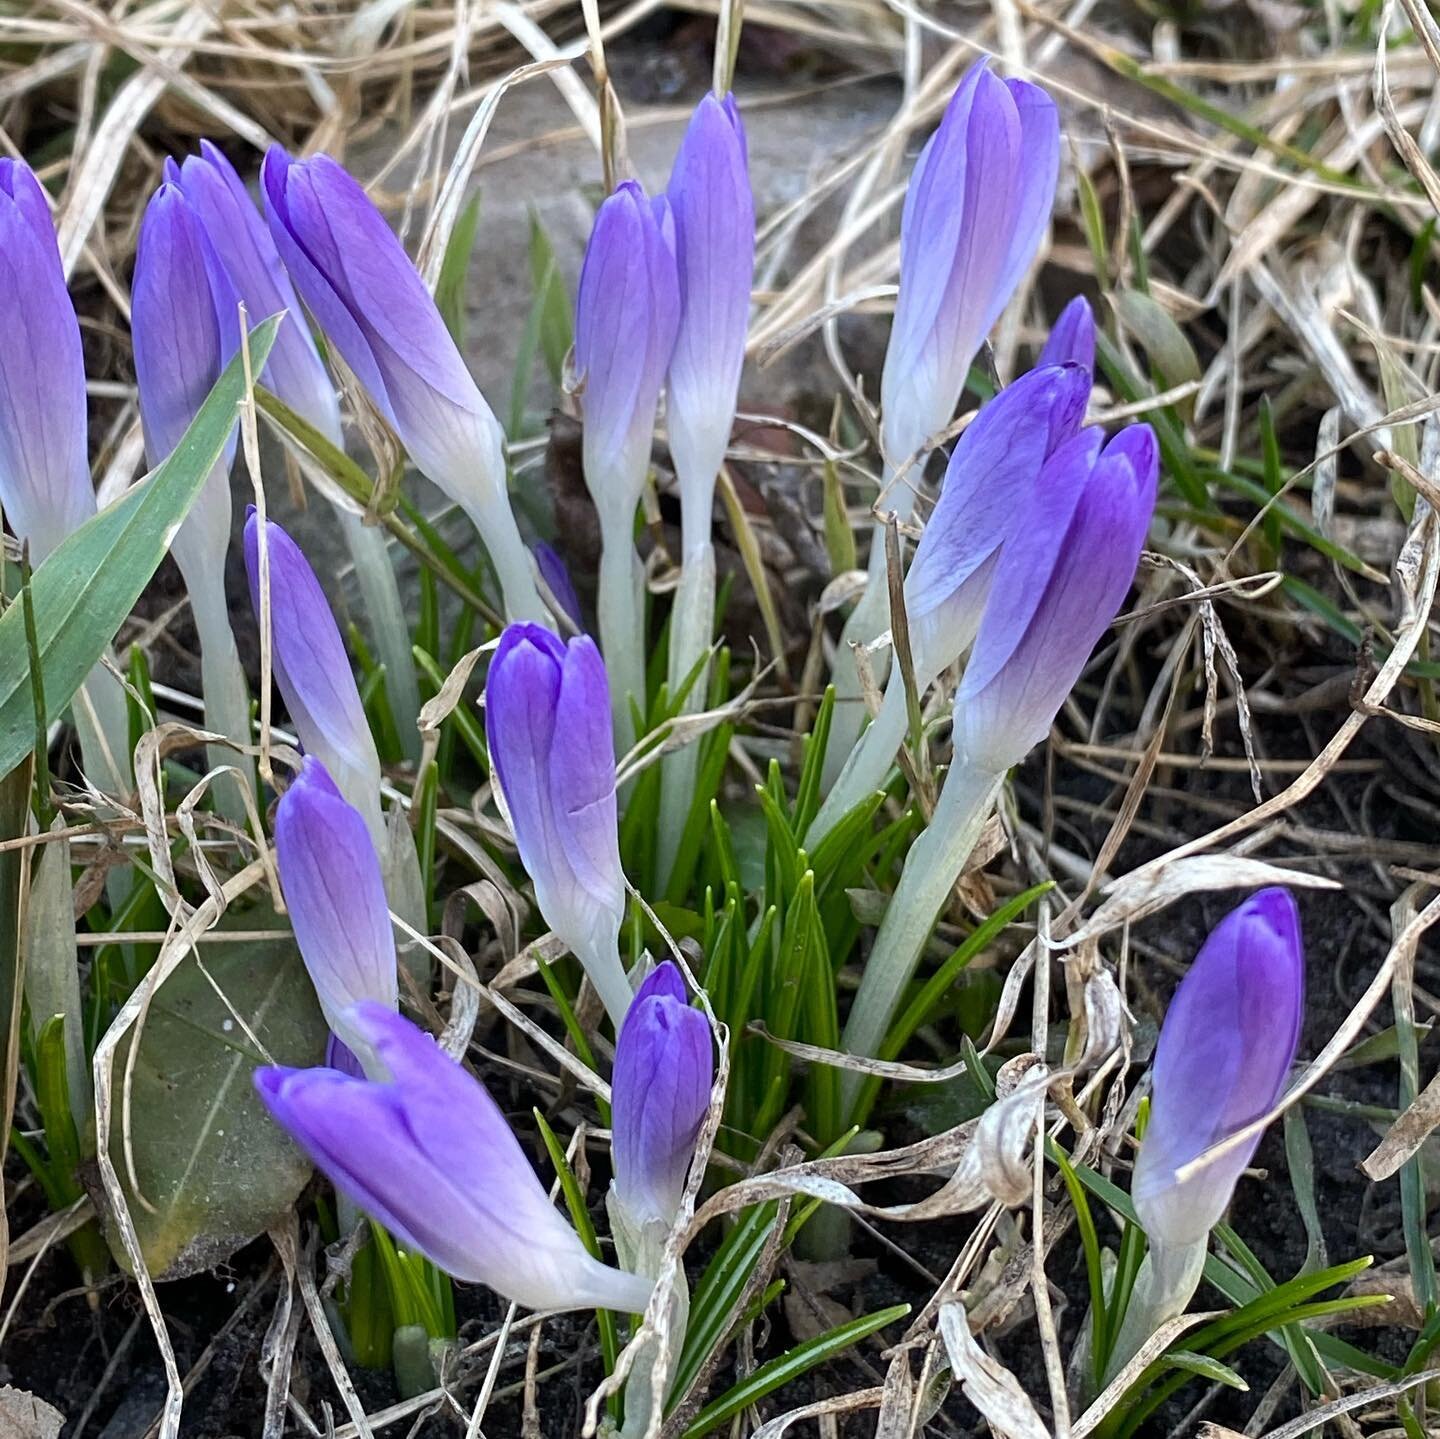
514,567
1168,1278
600,959
381,594
931,869
691,623
622,627
866,622
102,725
867,765
226,695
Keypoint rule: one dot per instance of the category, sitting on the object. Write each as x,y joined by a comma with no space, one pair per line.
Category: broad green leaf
88,585
454,267
14,817
1163,340
213,1169
557,323
1205,1367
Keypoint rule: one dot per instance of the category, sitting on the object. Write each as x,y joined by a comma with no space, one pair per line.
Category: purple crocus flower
1060,580
976,208
429,1155
1072,341
294,371
186,327
556,574
626,315
989,481
334,889
714,216
660,1091
547,723
353,274
313,672
44,470
1225,1050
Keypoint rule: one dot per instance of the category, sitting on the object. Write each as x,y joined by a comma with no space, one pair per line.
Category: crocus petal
989,481
1060,581
294,371
557,577
661,1090
44,469
335,892
354,275
313,671
430,1156
547,723
626,315
1072,341
714,214
975,211
1224,1053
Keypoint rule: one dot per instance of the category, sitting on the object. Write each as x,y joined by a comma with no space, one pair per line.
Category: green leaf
89,584
557,324
450,287
1161,338
213,1168
14,818
787,1367
1205,1367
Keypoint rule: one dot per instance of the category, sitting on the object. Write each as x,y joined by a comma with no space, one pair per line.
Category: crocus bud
989,481
1060,580
714,216
977,206
185,325
313,672
294,371
1225,1049
547,723
1072,341
626,314
44,470
556,574
335,892
353,274
429,1155
660,1091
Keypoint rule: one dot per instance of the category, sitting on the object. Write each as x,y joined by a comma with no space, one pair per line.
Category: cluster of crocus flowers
664,303
552,750
975,211
45,488
425,1150
990,478
1059,580
1224,1053
297,375
357,281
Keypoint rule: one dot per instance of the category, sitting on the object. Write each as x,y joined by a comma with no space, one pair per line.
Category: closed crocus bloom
547,723
1072,341
660,1091
1224,1052
313,672
44,470
626,315
297,375
714,215
990,481
975,211
185,324
556,574
429,1155
353,274
1060,582
335,892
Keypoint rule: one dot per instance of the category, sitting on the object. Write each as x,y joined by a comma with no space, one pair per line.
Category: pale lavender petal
714,214
1060,582
1072,341
1225,1050
335,891
557,577
45,486
661,1090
